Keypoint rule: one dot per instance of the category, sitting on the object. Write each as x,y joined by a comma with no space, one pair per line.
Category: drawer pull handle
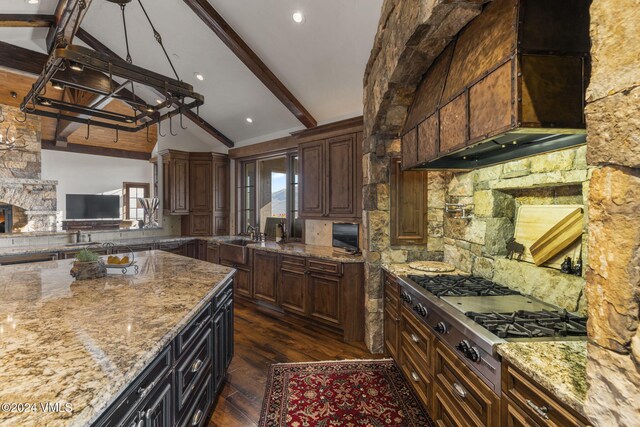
415,338
540,410
415,377
460,391
196,365
143,391
196,418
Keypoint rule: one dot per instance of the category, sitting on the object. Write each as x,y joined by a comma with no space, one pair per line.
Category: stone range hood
510,85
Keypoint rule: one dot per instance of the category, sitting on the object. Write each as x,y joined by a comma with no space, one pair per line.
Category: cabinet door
228,332
213,254
293,291
325,298
341,177
265,277
200,184
219,348
312,179
200,224
242,283
408,206
391,323
221,186
158,410
180,186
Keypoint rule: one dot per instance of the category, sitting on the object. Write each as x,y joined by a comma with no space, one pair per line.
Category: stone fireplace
25,198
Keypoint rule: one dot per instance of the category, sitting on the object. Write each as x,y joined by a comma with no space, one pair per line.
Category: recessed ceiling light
298,17
33,1
159,101
199,76
249,120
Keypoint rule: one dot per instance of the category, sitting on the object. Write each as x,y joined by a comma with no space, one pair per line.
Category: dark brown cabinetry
331,177
265,276
391,316
175,182
408,205
196,185
221,205
293,287
314,288
213,253
525,403
208,195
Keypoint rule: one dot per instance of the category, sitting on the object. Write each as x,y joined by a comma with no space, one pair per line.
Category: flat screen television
345,236
92,206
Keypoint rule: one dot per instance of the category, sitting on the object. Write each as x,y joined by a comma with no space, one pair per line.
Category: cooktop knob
463,346
407,298
441,328
473,354
421,310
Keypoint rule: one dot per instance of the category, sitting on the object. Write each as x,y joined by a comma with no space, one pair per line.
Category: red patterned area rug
351,393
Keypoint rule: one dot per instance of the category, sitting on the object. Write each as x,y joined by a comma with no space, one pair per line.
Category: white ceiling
321,61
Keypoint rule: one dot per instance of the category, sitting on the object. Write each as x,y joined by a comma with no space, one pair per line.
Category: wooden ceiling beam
68,16
31,62
98,46
26,20
229,37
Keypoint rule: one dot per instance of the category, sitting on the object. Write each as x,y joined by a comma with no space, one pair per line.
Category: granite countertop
300,249
558,366
62,247
82,343
403,269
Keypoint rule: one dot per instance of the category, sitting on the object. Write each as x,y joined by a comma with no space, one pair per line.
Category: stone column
613,274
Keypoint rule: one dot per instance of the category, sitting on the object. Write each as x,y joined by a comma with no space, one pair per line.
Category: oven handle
460,391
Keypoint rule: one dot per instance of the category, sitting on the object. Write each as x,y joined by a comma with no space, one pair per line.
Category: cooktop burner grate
532,324
452,285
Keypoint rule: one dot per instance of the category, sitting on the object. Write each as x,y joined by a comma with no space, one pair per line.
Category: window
133,191
268,193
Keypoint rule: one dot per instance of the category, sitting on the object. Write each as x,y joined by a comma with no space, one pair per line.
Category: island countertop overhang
82,343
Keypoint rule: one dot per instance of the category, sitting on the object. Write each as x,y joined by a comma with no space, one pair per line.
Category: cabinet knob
196,365
196,418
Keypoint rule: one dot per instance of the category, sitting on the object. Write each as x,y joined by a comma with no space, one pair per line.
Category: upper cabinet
175,180
196,185
331,178
510,85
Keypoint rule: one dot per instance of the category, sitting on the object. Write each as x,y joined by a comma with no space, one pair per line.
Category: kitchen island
152,346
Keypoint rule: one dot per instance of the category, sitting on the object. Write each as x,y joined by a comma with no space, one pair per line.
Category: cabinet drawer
413,368
515,417
189,333
323,266
196,414
195,365
445,413
223,295
475,400
418,337
138,391
292,263
535,402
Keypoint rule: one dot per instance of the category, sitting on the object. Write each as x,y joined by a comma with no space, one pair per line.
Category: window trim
239,188
126,186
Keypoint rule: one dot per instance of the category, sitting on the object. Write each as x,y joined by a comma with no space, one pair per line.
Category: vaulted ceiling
320,61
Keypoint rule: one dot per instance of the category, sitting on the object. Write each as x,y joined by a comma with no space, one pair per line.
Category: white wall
88,174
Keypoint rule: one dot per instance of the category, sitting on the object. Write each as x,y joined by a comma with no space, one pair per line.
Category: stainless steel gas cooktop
473,315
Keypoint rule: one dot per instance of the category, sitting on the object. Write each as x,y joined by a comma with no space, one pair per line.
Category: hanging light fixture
179,97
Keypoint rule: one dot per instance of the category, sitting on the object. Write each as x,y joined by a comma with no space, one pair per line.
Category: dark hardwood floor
263,337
